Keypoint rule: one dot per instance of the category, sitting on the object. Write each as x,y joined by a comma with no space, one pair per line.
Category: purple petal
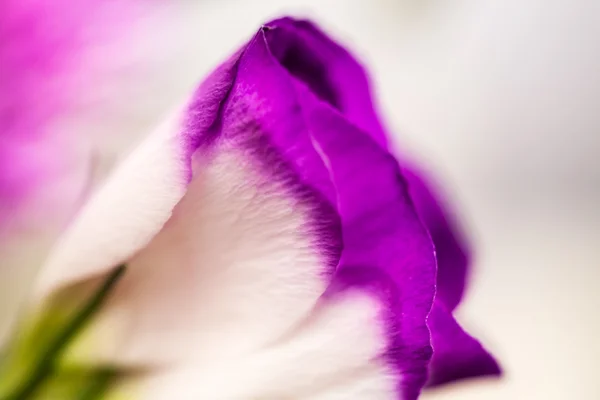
451,251
456,354
382,232
383,236
329,70
335,77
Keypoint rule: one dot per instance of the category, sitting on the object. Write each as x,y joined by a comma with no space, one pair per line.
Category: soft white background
502,100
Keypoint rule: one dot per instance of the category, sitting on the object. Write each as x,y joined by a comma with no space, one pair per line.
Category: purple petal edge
452,253
249,103
384,240
456,355
338,80
330,71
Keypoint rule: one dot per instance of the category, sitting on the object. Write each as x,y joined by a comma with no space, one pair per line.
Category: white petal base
334,355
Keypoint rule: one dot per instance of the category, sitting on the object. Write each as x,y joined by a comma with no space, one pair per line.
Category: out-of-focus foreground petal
77,89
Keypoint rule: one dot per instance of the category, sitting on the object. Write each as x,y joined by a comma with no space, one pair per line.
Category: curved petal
383,238
122,217
77,92
456,354
386,248
337,79
330,71
314,362
451,251
133,205
249,246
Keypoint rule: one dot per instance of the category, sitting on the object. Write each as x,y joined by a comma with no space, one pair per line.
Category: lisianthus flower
262,243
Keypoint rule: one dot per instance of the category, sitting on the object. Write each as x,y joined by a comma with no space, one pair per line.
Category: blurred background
499,99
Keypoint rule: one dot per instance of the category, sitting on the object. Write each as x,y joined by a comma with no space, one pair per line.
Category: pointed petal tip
457,355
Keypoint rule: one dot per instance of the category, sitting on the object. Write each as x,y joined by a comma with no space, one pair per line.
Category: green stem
46,364
98,385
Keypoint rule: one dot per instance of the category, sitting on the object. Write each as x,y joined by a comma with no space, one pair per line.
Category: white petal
333,355
240,263
125,213
78,90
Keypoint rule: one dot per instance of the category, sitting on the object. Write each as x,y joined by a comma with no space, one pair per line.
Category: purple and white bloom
263,242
